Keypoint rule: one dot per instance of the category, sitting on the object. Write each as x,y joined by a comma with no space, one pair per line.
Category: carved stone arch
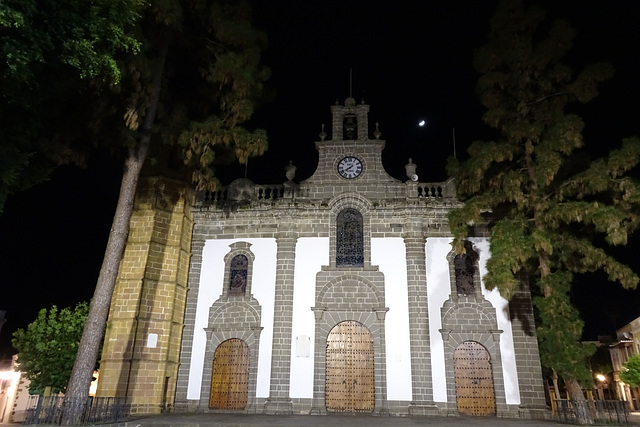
369,296
363,207
350,200
469,316
238,249
472,258
236,315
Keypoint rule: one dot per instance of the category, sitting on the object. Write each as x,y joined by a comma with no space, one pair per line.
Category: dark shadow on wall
521,307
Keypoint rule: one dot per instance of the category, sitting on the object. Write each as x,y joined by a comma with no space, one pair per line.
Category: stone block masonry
142,342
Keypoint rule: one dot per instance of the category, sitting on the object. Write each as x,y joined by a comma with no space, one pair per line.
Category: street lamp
603,384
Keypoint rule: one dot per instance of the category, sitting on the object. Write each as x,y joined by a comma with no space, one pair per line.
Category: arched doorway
230,377
475,394
349,379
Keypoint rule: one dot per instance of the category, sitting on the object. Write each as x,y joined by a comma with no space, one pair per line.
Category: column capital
414,228
286,237
414,239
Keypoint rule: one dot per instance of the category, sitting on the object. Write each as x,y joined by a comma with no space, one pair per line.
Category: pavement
333,420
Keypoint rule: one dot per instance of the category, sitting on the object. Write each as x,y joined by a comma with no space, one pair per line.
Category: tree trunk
556,389
574,391
77,393
579,402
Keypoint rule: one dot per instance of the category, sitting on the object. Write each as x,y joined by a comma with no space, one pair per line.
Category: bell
350,126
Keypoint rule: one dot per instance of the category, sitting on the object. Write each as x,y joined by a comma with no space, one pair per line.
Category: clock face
350,167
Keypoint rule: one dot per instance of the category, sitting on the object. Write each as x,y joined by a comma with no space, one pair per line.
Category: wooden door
349,379
230,377
475,394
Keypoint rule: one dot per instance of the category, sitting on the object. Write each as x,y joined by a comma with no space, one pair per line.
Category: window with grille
464,269
238,275
349,239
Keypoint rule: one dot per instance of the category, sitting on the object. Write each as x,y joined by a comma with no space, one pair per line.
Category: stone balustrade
243,191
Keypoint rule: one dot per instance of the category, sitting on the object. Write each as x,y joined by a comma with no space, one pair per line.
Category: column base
317,410
278,407
537,412
419,409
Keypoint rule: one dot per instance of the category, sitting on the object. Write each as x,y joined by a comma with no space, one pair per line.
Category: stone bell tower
350,121
144,330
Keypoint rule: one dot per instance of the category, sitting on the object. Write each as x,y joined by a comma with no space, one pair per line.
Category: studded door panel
475,394
349,385
230,377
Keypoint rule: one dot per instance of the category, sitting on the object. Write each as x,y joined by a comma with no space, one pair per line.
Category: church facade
340,293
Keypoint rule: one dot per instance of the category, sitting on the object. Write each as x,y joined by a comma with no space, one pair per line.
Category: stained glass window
465,270
349,246
238,275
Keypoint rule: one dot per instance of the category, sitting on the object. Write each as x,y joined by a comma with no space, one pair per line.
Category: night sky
409,60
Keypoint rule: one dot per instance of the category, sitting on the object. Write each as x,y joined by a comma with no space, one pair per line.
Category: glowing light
422,123
601,377
94,384
9,375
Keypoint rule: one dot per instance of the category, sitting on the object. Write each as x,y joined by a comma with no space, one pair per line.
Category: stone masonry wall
144,330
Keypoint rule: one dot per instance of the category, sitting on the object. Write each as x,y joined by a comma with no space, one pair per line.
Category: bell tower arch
350,121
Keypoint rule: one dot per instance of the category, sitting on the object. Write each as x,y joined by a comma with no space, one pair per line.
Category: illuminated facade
339,293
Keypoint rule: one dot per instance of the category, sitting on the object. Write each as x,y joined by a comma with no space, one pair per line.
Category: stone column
525,345
421,383
181,402
279,401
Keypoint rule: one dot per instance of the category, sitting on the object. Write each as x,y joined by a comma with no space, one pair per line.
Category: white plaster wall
438,290
511,387
311,255
389,254
210,289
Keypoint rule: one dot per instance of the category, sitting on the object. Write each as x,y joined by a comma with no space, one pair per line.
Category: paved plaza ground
244,420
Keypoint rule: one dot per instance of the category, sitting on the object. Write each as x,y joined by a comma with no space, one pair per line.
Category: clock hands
350,167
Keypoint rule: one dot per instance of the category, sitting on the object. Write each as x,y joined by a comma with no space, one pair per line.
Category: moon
421,123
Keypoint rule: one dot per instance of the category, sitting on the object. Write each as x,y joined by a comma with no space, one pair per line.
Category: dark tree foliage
57,56
83,35
546,207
